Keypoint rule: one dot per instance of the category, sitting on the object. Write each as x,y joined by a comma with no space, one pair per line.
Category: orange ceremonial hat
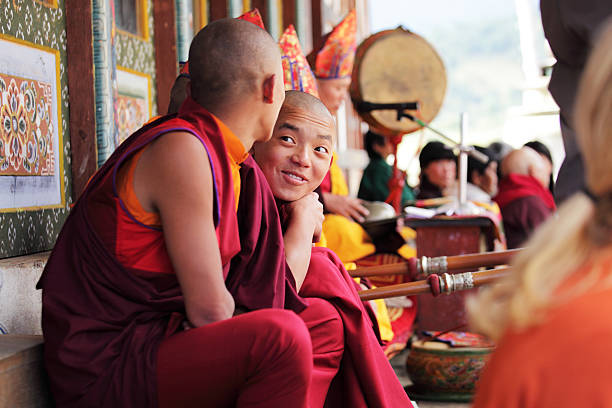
298,75
335,58
254,17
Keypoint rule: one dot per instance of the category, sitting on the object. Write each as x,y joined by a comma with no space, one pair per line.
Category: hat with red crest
298,75
336,56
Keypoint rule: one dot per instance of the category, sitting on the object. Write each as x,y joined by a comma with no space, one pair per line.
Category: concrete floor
398,363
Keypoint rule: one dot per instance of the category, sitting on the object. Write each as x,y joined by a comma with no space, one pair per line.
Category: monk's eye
287,139
321,149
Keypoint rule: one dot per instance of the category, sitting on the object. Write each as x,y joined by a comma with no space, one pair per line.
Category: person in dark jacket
374,184
438,170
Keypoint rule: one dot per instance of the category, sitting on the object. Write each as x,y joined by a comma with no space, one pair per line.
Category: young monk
294,163
552,316
148,244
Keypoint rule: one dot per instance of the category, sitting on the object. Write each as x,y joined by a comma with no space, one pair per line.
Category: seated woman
374,184
552,315
438,170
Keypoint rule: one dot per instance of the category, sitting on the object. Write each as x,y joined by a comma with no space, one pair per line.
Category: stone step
23,382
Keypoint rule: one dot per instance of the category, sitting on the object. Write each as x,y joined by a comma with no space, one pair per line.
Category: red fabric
231,364
327,335
259,276
102,320
365,377
515,186
326,184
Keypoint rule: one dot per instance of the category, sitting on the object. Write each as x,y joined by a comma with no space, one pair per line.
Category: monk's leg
327,335
258,359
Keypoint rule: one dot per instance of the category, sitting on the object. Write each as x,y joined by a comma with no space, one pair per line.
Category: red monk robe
350,368
105,319
365,377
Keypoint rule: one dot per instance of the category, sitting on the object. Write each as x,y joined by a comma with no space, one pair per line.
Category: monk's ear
268,88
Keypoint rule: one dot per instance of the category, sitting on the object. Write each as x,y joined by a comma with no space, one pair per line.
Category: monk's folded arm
177,181
305,215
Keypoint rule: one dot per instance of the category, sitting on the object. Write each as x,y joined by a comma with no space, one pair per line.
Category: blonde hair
581,228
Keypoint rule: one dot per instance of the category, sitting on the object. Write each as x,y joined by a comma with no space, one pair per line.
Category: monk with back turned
147,246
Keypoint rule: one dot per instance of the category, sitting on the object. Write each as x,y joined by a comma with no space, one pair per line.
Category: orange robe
564,362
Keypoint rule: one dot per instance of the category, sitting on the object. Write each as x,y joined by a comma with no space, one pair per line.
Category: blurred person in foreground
571,27
551,316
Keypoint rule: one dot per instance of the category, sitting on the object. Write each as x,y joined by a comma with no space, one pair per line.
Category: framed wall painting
31,145
133,103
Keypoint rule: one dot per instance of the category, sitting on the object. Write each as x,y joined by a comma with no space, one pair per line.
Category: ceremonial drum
396,66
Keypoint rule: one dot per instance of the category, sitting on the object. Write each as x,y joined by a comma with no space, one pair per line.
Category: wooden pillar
82,123
217,9
317,30
165,51
289,14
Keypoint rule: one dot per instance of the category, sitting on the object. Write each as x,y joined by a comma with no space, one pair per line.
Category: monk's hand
349,207
308,213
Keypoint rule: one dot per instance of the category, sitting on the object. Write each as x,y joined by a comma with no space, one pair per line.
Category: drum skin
394,66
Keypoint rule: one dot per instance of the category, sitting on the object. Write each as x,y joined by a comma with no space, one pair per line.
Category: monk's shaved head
227,60
302,101
527,162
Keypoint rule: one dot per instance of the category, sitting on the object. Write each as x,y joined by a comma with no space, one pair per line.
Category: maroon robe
262,254
524,205
103,322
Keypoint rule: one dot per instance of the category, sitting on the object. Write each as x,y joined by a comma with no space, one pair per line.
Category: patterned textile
298,75
460,339
402,318
26,130
254,17
335,58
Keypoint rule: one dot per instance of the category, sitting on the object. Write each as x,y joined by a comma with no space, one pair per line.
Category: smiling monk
356,372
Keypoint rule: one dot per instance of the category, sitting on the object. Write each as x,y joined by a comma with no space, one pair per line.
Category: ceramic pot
446,370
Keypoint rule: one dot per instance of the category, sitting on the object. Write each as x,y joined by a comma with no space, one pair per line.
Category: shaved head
302,101
528,162
228,59
297,157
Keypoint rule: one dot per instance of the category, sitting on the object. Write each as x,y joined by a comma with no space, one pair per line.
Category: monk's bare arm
174,178
305,219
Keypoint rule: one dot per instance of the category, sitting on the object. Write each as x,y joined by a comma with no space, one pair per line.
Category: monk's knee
325,326
285,339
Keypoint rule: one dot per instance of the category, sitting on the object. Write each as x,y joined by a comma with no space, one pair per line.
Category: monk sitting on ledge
146,248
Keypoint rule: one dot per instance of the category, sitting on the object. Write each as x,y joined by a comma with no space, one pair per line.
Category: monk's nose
302,158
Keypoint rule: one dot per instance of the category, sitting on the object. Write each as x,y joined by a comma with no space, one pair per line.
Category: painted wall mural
26,130
35,177
133,102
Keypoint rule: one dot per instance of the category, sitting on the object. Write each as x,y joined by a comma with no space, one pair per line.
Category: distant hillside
483,64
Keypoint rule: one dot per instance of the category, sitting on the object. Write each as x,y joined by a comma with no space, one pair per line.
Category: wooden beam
289,16
217,9
80,71
166,64
317,28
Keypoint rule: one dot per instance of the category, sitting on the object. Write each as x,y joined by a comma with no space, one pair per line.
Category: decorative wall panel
35,187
